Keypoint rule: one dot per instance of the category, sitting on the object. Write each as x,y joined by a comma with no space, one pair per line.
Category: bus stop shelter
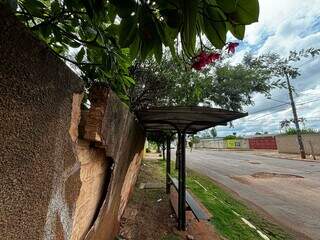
183,121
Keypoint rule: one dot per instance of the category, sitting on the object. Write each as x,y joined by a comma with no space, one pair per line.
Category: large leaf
80,55
237,30
189,30
172,17
134,48
89,5
124,7
228,6
247,12
158,52
12,4
35,7
128,31
214,25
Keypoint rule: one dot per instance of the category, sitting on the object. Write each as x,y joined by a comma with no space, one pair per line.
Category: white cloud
283,26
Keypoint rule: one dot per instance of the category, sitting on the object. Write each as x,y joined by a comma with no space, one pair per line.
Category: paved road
292,199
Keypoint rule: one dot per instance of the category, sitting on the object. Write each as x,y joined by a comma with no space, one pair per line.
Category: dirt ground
149,215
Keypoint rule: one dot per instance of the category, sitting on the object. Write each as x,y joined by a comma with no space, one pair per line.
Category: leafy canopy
101,37
170,84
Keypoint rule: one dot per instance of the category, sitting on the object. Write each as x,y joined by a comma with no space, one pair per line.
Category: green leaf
55,7
172,17
145,49
124,7
214,26
45,30
73,44
128,80
162,33
227,6
134,48
12,4
237,30
247,12
158,52
112,13
189,30
35,7
57,33
89,5
80,55
128,31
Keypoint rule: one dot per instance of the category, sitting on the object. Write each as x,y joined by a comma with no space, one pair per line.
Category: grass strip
229,214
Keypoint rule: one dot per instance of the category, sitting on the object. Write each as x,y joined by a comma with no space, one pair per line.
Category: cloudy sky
283,26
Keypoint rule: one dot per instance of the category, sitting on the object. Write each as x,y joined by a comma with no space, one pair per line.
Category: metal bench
191,202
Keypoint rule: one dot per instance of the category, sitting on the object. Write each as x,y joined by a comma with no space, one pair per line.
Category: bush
293,131
230,137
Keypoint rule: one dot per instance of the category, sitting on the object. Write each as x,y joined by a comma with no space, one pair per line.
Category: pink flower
231,47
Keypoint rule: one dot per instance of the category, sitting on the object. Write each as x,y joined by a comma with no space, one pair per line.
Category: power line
284,104
299,104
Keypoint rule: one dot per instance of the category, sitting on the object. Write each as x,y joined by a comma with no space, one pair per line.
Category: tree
100,38
230,137
282,68
287,122
170,83
213,132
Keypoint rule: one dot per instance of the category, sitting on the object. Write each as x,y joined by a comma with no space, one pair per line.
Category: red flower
231,47
196,66
214,57
204,59
202,55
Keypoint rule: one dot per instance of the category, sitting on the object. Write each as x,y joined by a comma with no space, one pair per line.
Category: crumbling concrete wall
111,126
39,104
55,184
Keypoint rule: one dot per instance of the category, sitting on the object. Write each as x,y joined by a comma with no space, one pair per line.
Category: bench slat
192,203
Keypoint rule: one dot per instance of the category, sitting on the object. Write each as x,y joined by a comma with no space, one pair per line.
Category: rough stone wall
39,113
289,143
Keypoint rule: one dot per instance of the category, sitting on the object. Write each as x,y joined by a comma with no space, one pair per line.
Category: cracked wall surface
54,182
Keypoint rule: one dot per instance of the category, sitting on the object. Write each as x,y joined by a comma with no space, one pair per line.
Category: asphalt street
287,190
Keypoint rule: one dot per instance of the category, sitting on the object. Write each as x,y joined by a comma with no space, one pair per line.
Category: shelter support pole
177,154
168,165
182,182
163,151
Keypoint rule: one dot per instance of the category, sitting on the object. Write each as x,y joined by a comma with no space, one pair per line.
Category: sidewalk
275,154
269,153
149,215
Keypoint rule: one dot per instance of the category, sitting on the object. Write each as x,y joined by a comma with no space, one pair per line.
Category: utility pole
295,119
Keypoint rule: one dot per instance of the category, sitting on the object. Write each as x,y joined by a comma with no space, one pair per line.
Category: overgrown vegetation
293,131
232,137
101,38
227,211
169,84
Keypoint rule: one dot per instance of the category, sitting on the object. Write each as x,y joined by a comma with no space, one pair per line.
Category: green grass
224,207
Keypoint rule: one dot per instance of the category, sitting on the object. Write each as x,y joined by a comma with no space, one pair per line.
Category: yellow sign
231,143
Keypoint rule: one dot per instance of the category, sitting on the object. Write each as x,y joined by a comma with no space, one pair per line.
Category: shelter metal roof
190,119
